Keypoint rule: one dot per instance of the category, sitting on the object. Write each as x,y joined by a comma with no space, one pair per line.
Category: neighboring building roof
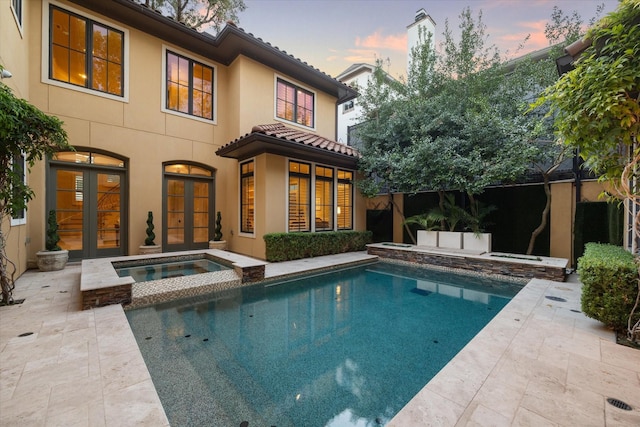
354,70
224,48
276,138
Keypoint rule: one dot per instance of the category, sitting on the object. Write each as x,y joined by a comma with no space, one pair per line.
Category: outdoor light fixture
5,74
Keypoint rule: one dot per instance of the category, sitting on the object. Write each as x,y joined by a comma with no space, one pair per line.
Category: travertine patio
539,362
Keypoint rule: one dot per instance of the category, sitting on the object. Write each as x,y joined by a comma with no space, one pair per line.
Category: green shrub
610,284
288,246
51,243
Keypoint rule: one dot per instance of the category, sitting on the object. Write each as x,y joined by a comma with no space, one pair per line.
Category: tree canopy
200,14
455,124
595,107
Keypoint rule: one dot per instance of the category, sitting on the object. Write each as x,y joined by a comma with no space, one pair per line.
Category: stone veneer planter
487,263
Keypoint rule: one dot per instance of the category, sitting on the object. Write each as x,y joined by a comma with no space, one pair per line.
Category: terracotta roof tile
278,130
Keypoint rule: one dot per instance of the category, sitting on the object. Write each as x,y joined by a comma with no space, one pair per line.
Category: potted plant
217,242
54,257
150,246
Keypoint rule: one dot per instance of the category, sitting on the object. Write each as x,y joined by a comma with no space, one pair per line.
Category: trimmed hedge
610,284
288,246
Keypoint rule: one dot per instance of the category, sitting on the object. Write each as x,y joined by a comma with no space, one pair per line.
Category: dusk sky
333,34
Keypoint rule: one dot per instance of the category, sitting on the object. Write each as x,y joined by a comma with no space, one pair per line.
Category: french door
188,219
89,204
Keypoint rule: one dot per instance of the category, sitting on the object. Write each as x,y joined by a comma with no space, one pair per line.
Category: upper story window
85,53
16,5
189,86
294,103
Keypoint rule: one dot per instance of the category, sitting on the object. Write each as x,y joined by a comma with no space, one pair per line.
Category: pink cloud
379,41
534,30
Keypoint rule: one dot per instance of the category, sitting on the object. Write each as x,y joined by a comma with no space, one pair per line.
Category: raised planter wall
485,265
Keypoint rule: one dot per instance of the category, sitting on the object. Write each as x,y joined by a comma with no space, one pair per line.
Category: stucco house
177,122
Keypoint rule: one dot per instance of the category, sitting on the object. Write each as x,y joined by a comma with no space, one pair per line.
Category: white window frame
277,77
21,221
18,15
163,98
46,53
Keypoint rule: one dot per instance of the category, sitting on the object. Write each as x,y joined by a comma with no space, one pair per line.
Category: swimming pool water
347,348
165,270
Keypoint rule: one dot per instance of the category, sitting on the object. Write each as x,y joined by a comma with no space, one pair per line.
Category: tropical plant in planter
150,246
54,257
217,242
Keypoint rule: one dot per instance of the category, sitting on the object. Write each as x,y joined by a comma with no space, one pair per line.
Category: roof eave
223,48
259,143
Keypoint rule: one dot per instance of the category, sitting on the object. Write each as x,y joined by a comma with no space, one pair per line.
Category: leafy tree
455,124
24,131
560,31
596,106
200,14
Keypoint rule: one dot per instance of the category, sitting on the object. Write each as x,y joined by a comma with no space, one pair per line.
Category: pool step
157,291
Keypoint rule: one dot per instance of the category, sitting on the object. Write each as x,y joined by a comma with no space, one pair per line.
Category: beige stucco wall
270,177
563,208
257,99
561,220
138,130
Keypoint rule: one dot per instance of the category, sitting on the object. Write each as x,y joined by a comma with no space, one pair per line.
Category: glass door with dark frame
188,208
89,206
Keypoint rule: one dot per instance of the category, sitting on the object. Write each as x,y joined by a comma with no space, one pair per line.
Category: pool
346,348
142,271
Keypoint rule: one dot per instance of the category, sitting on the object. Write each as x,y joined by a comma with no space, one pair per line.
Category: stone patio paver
537,363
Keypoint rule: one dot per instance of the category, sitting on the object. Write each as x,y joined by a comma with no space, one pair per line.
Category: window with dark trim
345,200
17,10
294,103
299,196
324,198
247,201
18,168
85,53
189,86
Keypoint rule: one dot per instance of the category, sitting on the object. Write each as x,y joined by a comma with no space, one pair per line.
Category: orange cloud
534,30
379,41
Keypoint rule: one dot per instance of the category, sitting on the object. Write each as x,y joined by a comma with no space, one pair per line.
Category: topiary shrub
217,232
151,236
609,276
53,238
288,246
